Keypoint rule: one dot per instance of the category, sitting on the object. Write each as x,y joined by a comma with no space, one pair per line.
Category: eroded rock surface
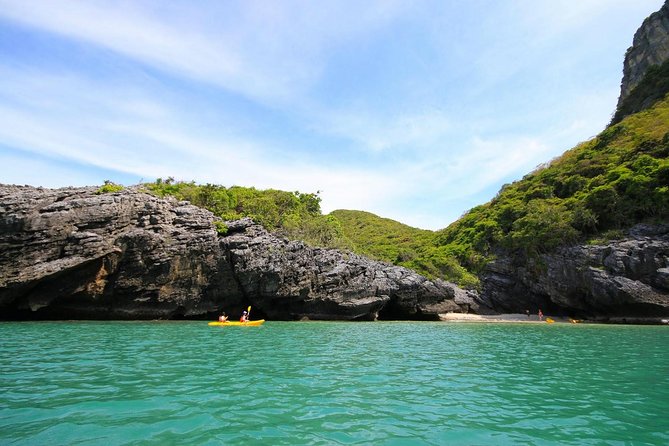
626,278
72,254
290,279
69,253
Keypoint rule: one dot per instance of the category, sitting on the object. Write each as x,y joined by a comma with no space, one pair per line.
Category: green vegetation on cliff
382,238
609,183
109,187
292,214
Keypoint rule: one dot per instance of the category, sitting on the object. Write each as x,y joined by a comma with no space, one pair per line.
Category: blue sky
414,110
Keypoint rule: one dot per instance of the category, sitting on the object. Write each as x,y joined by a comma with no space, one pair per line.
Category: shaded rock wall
72,254
627,278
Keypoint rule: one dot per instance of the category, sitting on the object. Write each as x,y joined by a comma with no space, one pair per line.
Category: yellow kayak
549,320
237,323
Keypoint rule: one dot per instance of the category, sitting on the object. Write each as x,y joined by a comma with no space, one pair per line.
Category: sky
414,110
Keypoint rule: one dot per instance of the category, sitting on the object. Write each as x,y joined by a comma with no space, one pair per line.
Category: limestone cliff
650,47
74,254
623,280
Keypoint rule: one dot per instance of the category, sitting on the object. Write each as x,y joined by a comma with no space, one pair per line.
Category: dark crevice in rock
393,312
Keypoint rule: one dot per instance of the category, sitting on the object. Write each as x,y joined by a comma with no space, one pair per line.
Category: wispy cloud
264,50
145,137
376,132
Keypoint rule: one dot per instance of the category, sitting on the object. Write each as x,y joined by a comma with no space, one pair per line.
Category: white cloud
265,50
373,131
133,131
129,132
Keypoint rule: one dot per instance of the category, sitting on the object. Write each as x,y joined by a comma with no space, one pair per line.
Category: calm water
288,383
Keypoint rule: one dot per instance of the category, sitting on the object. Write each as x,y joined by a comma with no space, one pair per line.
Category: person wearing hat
245,317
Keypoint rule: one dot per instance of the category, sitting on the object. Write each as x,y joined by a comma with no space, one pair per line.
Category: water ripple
332,383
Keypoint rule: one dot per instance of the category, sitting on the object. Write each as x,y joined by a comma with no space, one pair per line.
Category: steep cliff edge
650,47
74,254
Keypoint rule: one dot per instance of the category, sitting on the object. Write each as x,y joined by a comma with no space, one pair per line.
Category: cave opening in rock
394,312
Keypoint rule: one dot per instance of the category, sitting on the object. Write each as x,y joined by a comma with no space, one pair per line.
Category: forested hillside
389,240
595,190
291,214
382,238
590,193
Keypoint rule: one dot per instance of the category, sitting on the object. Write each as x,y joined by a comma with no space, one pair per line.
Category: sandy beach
500,318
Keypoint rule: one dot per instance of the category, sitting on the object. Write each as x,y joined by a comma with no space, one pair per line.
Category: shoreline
521,318
516,318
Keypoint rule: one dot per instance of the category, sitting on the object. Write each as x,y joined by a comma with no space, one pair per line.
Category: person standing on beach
541,315
527,312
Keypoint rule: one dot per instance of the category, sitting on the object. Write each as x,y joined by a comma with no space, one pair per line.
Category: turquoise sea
386,383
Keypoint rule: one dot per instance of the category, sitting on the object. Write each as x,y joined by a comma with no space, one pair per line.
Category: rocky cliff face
289,279
73,254
649,47
625,279
70,253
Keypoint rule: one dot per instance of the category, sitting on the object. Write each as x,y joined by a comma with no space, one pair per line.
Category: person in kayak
245,317
223,317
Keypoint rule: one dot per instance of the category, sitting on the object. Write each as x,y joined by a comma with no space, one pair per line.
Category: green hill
589,194
394,242
595,190
294,215
382,238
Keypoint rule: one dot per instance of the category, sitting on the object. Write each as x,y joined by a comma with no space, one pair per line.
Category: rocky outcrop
289,279
624,279
649,47
72,254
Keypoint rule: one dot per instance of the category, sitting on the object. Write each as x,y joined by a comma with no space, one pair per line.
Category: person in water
223,317
245,317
